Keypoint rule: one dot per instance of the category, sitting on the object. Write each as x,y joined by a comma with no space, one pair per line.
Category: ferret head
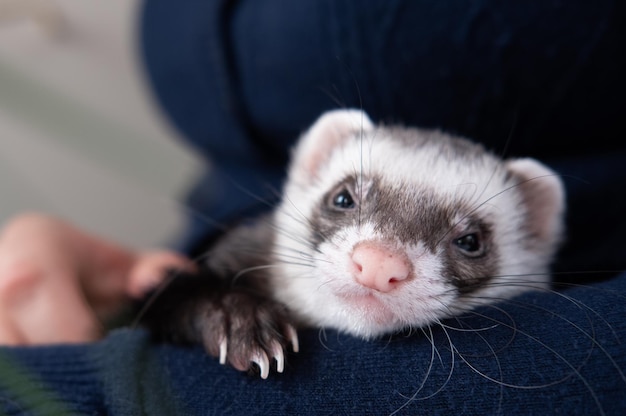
384,228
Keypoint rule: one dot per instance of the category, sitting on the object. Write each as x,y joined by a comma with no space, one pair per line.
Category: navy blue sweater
242,79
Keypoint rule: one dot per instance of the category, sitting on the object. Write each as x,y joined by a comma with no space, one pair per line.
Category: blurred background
80,136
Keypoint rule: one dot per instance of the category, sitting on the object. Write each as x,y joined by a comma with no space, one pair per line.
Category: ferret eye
470,244
343,200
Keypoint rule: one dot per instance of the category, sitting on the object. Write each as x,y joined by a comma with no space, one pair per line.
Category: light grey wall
79,134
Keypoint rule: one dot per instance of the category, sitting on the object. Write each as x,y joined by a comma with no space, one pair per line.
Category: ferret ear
330,130
543,195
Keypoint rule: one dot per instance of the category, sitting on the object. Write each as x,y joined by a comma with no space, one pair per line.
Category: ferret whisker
591,336
587,272
515,330
433,351
322,336
302,222
452,364
498,382
252,269
150,300
471,330
575,302
304,219
361,165
487,183
327,282
486,201
389,339
575,371
300,240
333,97
431,339
372,139
455,314
264,201
299,256
282,255
505,149
579,304
276,192
294,263
285,232
297,251
286,251
494,354
218,225
410,330
510,188
512,326
524,284
466,184
285,259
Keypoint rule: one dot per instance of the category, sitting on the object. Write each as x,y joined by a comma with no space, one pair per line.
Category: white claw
292,336
277,349
264,364
223,351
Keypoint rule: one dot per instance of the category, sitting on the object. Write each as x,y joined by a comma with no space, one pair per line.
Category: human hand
58,283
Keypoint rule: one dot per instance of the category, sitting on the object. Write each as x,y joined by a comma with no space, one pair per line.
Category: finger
41,303
54,312
9,335
152,267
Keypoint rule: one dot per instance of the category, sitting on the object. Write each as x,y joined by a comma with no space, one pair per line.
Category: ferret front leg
235,324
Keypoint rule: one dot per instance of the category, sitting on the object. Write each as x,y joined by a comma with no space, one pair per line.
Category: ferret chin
400,227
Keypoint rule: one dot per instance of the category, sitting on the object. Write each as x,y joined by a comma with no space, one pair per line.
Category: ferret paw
248,333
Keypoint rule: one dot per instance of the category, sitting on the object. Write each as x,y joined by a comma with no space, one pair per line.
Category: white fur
327,295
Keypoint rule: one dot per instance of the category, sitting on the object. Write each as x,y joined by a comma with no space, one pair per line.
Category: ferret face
400,227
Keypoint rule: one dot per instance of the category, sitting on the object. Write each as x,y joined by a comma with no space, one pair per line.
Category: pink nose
378,267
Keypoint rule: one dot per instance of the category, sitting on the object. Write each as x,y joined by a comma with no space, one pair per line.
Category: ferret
380,229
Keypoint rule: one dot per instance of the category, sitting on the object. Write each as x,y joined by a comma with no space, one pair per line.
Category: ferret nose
378,267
